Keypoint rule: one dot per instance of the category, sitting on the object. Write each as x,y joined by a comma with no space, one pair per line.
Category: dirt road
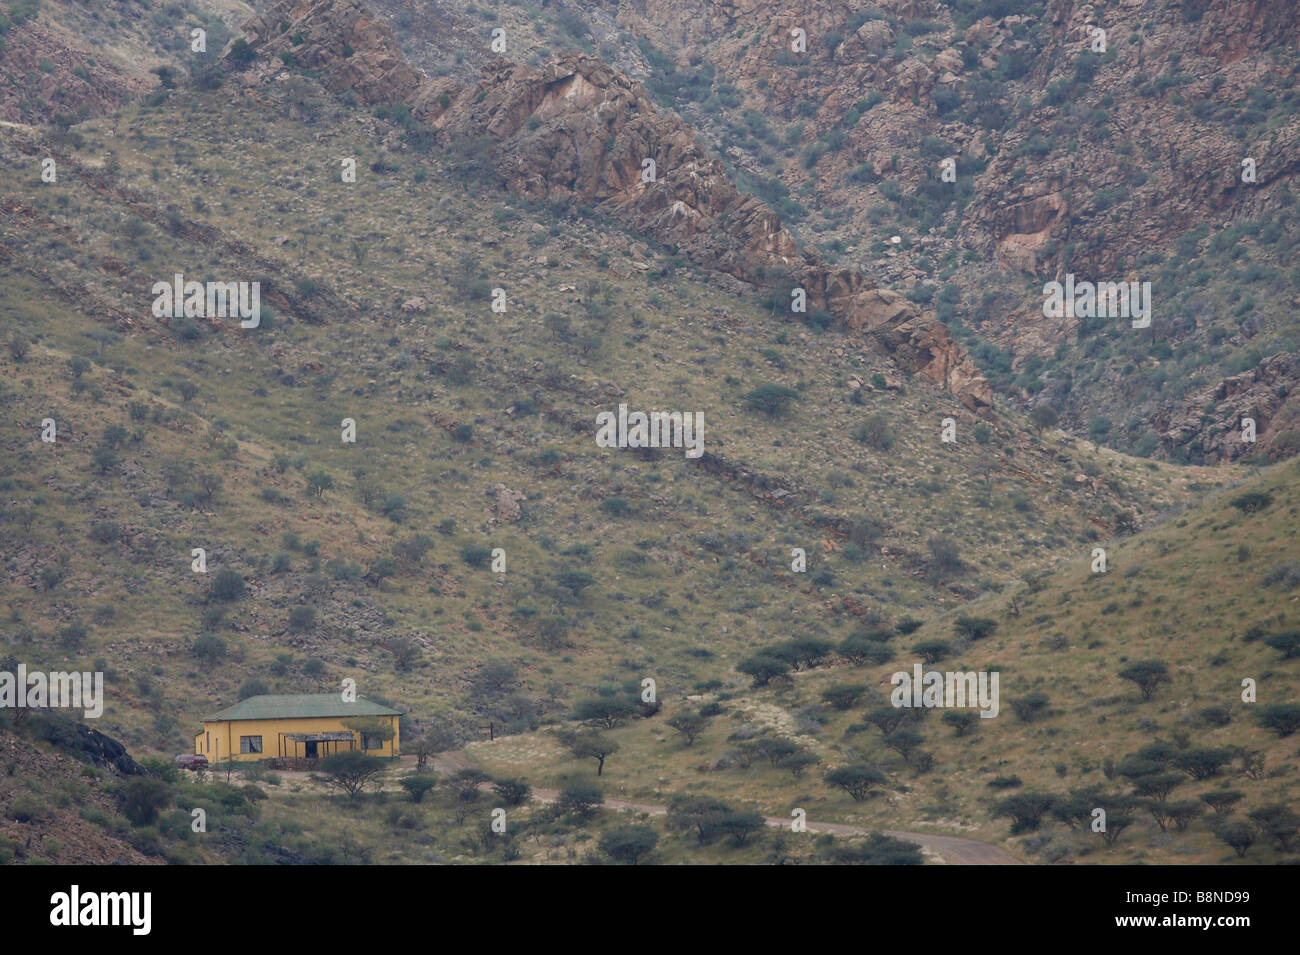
950,850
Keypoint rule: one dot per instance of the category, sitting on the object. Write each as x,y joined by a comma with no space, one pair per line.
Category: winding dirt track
950,850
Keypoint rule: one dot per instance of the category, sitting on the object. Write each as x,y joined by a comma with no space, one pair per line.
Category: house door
310,746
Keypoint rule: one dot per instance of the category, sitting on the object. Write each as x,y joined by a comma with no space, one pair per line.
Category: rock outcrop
1259,394
576,129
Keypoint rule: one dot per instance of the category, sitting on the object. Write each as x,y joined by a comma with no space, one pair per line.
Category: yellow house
301,726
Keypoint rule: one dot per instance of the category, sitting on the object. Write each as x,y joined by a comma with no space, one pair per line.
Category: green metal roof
298,706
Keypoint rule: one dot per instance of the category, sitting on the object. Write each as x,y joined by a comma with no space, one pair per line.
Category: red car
192,761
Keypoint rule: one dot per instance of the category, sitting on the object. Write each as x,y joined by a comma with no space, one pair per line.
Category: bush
1282,718
1252,501
418,785
975,628
143,798
252,687
580,799
226,585
771,400
629,844
1026,810
209,647
875,432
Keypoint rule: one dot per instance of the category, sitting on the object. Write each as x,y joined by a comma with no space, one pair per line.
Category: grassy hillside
1206,592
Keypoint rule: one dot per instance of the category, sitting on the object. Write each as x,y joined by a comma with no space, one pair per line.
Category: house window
371,742
250,744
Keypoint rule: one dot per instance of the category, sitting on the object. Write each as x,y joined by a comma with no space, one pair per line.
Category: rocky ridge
576,129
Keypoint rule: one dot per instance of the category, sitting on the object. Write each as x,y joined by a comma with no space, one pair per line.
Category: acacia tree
629,844
1282,718
1148,675
858,780
580,799
419,784
593,745
1239,835
350,770
701,813
690,725
1026,810
605,712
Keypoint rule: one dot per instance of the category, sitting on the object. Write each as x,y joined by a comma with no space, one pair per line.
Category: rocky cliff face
1067,161
576,129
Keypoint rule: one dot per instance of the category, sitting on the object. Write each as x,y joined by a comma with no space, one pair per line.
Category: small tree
581,800
1157,786
318,482
763,668
771,400
1252,501
1119,816
858,780
739,825
1239,835
513,792
209,647
798,763
1282,718
1148,675
875,432
575,582
437,739
252,687
1031,706
932,651
593,745
1183,813
843,696
406,652
605,712
1044,416
886,718
961,721
350,770
301,619
700,813
226,585
690,725
1026,810
904,741
1222,800
241,53
945,558
1203,763
975,628
629,844
1277,823
1286,643
419,784
143,798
